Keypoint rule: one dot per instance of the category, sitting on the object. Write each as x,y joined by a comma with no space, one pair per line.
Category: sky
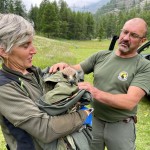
71,3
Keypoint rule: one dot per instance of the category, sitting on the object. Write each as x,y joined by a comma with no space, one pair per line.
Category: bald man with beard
121,79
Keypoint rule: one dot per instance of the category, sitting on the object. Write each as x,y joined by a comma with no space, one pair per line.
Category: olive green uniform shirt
114,75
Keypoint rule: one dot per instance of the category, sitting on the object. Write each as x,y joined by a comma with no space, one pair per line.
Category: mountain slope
92,7
118,5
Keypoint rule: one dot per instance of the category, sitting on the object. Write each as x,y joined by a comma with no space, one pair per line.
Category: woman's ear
3,54
1,49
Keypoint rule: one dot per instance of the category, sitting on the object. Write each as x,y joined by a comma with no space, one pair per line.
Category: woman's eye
25,45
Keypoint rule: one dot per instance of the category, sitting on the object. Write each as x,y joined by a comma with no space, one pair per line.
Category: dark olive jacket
18,106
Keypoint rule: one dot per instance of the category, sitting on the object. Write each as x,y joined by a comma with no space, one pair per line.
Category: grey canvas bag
61,98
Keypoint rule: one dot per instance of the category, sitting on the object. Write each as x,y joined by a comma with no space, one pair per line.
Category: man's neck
125,55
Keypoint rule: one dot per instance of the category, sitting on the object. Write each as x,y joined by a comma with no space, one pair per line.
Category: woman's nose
33,49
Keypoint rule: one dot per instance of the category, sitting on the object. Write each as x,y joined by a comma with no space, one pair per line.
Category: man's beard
124,47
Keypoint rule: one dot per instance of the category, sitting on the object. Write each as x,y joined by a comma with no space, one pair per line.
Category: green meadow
51,51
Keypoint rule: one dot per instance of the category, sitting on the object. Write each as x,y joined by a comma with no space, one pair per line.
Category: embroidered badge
123,75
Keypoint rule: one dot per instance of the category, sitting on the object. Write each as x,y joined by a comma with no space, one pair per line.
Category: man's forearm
121,101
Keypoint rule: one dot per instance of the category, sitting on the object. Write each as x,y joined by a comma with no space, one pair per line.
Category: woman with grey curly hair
14,30
24,125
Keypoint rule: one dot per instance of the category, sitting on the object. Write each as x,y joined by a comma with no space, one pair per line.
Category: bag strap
7,78
24,141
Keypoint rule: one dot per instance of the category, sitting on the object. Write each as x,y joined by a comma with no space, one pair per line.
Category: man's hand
58,66
86,86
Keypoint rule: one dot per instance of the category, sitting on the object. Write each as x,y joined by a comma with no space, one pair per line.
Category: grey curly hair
14,30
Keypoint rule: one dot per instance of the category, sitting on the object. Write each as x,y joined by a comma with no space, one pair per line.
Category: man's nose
127,36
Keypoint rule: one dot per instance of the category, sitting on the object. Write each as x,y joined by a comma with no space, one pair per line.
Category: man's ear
143,40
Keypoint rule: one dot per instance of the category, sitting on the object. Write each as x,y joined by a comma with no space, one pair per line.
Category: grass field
72,52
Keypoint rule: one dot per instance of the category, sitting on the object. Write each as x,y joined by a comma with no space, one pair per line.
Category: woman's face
20,58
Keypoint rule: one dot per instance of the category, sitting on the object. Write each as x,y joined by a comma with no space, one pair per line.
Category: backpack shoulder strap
7,78
24,141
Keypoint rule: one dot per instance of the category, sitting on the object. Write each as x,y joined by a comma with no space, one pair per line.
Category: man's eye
125,32
134,35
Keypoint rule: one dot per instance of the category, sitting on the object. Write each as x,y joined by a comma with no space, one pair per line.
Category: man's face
131,37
